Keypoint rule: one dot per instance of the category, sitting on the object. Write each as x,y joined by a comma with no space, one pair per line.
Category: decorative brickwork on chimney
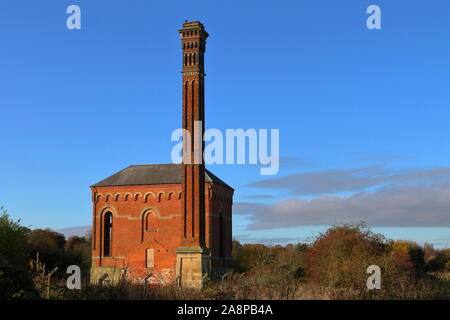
192,259
193,40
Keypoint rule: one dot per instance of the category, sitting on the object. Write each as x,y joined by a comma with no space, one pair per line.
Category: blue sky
363,114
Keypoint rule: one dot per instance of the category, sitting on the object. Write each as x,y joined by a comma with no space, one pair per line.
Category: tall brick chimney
192,255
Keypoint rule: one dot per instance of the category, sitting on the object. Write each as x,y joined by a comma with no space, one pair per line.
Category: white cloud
350,179
412,205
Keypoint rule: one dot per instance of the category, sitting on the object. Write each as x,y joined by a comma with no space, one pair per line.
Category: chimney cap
193,25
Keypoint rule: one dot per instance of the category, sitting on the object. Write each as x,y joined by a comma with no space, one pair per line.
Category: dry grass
254,287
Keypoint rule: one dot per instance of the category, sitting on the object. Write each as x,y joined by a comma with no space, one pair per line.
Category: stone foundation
192,266
114,274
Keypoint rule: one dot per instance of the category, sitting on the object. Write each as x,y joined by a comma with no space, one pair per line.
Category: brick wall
149,217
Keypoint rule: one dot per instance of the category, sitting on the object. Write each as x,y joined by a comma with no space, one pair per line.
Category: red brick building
165,222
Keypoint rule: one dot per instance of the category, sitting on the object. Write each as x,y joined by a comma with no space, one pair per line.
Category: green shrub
15,277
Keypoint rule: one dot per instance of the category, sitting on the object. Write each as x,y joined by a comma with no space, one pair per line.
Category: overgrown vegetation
333,266
15,277
28,256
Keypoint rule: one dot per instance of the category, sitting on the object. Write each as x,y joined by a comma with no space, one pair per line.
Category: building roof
152,174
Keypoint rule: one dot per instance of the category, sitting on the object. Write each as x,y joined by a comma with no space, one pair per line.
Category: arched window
195,62
193,92
185,102
221,238
107,234
148,223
